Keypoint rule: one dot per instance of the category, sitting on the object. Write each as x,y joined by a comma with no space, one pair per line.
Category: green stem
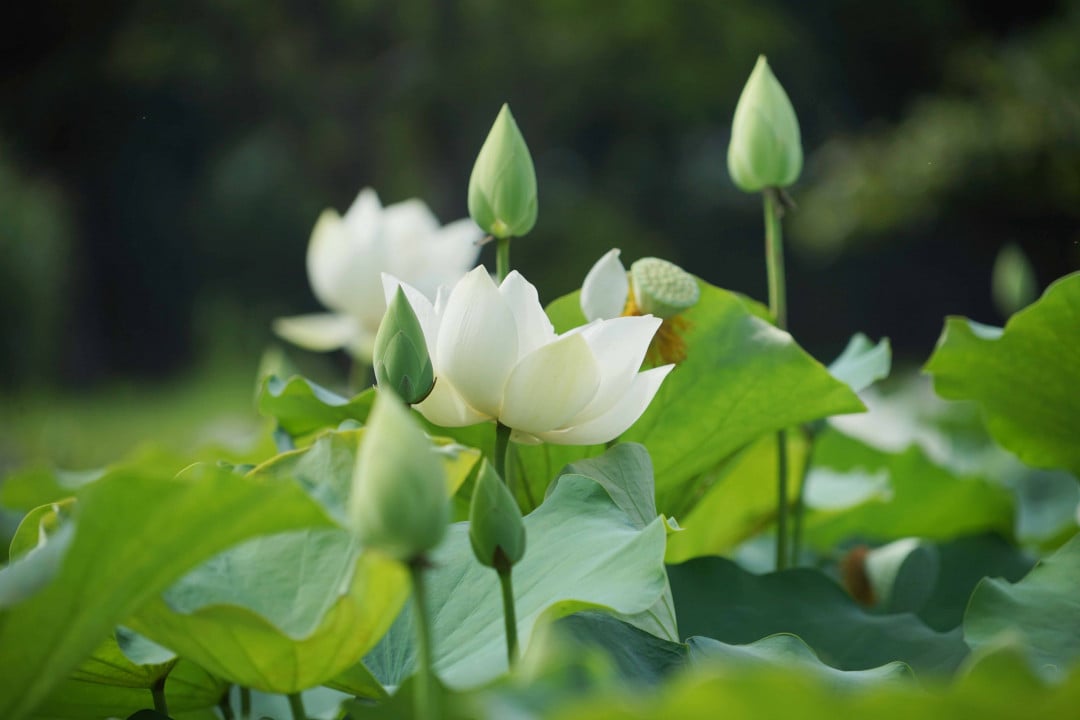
426,699
245,703
509,615
774,262
502,445
296,705
502,258
774,258
359,376
225,704
157,690
799,509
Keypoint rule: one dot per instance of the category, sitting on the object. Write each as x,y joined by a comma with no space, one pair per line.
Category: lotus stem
426,698
774,262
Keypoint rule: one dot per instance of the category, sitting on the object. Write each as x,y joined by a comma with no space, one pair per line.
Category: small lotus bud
401,356
496,530
398,503
662,288
502,187
765,149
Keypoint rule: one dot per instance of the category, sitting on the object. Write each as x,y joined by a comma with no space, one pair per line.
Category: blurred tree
195,143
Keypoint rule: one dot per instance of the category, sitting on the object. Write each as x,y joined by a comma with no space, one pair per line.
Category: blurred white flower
347,256
497,356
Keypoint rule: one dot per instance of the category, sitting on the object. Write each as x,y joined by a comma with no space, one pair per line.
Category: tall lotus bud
765,149
502,187
662,288
398,503
401,359
496,530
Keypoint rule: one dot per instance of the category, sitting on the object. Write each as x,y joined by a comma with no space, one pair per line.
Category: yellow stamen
668,345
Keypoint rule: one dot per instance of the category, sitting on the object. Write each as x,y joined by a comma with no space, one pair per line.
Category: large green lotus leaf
715,598
923,499
962,563
862,363
301,407
135,530
740,501
742,378
769,693
188,687
583,552
285,612
1026,380
784,649
639,657
1043,608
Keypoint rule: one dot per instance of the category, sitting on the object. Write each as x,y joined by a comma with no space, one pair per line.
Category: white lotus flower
497,357
347,256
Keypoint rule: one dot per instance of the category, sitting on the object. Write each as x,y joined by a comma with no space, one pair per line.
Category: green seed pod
502,187
766,148
496,530
662,288
401,359
398,503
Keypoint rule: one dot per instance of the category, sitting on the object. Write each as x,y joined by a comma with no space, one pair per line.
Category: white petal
477,344
343,269
533,326
620,417
603,294
445,408
365,213
550,386
619,346
319,331
425,311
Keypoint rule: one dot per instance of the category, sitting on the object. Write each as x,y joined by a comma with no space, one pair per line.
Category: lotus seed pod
662,288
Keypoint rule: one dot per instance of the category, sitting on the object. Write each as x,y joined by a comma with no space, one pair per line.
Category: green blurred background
162,164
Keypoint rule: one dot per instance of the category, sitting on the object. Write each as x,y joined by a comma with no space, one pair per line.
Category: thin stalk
359,376
774,262
225,705
427,698
502,445
502,258
157,690
799,510
245,702
509,614
296,705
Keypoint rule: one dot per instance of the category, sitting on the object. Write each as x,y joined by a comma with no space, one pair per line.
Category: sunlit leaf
1025,380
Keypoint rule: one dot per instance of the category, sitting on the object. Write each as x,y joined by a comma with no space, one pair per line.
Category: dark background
162,164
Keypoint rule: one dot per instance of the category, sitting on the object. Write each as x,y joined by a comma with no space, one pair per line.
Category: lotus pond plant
398,556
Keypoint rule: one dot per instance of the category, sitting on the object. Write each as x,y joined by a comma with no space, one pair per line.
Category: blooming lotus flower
652,286
497,357
347,256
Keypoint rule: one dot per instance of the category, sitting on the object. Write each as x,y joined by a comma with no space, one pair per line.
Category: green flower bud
1014,283
401,359
765,149
662,288
502,187
496,530
398,503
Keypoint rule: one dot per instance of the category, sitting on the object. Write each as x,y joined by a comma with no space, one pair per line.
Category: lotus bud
765,149
502,187
1014,283
662,288
496,530
401,359
398,503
